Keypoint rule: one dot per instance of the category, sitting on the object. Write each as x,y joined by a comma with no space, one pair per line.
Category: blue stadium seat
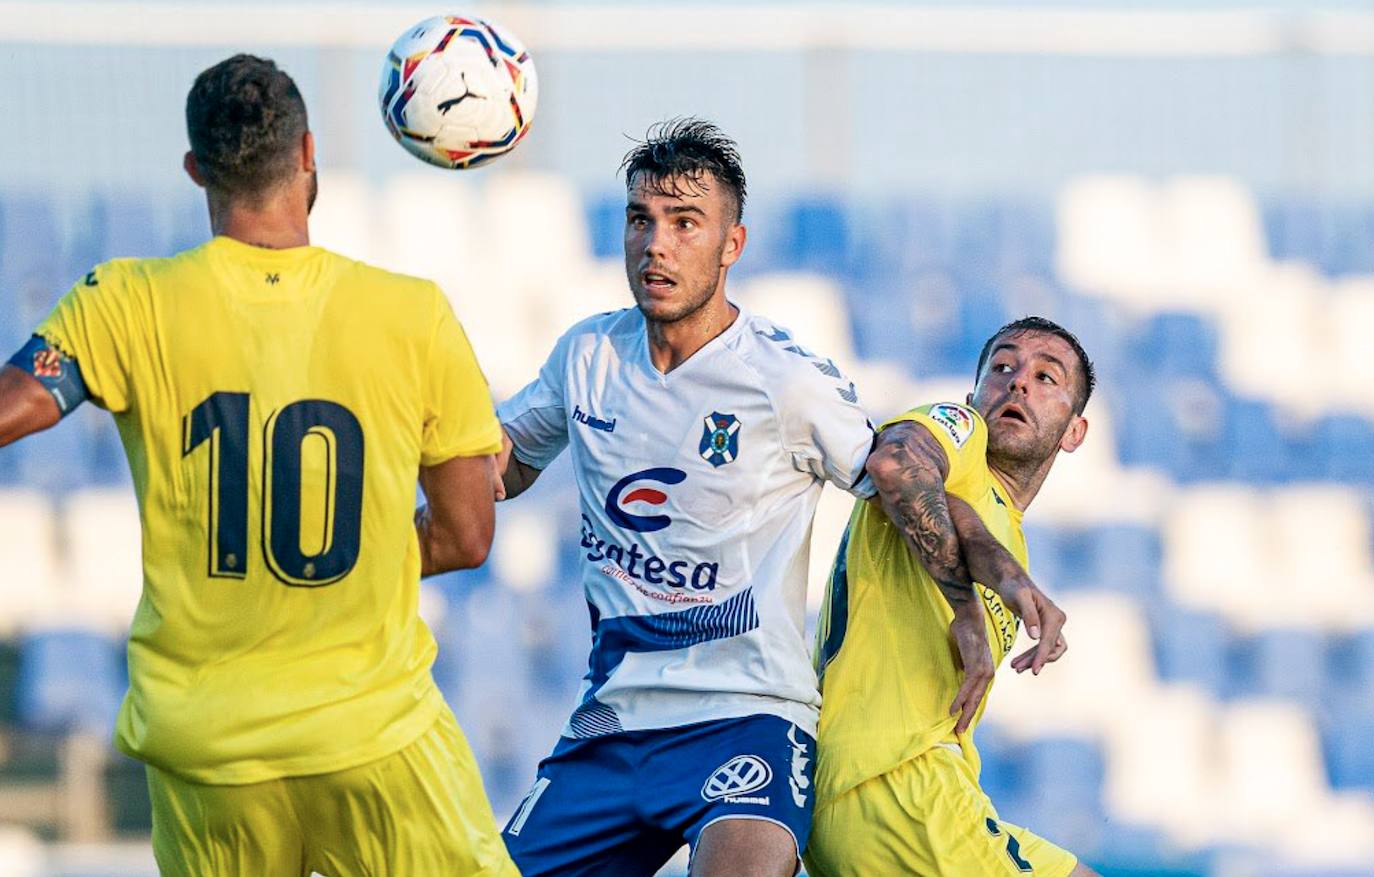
70,680
1289,664
1177,344
1347,729
1341,448
1191,647
818,236
1298,230
1259,452
606,225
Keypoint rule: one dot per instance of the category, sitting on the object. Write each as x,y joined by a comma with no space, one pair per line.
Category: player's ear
308,152
192,169
735,239
1074,435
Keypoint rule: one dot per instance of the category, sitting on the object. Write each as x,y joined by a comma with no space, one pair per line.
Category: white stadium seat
1162,765
1218,557
1214,240
1111,239
1108,670
1321,535
28,560
524,553
105,567
1345,331
344,217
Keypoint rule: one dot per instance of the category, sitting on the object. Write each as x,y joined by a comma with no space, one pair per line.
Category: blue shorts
624,803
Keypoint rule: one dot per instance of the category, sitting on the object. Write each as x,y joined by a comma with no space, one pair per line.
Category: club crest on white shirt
719,439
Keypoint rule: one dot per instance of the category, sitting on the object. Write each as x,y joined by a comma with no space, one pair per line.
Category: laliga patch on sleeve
955,419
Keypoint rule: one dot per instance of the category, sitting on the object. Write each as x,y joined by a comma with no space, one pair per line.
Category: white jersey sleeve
537,417
824,427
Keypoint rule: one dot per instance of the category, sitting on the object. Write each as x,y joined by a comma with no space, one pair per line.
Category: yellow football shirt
889,669
275,406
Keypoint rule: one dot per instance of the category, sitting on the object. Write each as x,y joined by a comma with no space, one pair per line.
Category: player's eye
1047,378
686,224
638,222
1001,368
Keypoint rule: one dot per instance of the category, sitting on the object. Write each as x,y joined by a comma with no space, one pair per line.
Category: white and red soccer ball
458,91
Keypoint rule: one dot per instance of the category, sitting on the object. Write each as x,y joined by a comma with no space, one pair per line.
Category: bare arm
909,467
515,476
456,525
26,406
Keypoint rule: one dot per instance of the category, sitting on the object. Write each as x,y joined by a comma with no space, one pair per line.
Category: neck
1021,478
279,222
672,344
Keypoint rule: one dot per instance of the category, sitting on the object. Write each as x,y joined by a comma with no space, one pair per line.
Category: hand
499,464
970,634
1023,661
1044,622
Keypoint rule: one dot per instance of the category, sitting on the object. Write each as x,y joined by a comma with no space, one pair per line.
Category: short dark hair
686,149
1048,327
244,117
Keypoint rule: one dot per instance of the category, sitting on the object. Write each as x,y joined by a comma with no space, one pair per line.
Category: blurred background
1189,186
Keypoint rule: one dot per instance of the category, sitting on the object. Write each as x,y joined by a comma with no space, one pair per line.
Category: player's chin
660,308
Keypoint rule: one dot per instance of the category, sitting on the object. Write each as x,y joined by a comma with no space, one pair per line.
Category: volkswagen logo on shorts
738,776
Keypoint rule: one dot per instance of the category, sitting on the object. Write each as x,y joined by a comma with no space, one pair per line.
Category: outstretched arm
26,406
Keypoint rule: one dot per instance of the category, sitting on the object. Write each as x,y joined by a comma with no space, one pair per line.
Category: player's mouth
657,281
1012,411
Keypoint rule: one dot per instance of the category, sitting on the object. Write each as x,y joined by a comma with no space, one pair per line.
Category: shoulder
788,369
614,329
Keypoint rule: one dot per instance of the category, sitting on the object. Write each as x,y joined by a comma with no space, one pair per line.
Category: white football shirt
698,489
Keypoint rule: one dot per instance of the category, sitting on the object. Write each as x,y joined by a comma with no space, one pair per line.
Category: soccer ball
458,91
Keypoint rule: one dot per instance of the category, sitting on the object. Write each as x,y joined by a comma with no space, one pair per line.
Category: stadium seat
1111,242
529,213
344,217
431,230
1284,311
105,569
524,555
1348,727
606,225
132,227
1218,555
1110,643
1192,647
1177,344
1215,237
1287,665
70,680
1287,806
1161,767
1321,536
818,236
1348,312
1342,445
28,545
1259,450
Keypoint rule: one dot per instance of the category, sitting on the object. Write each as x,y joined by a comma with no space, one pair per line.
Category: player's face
1027,394
680,237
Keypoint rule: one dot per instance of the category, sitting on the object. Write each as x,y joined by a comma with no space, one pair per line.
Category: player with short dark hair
276,401
902,638
701,436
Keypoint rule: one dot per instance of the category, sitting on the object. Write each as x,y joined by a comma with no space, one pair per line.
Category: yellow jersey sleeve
460,419
961,432
93,324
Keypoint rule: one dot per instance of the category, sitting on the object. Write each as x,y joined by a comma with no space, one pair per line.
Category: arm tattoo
912,490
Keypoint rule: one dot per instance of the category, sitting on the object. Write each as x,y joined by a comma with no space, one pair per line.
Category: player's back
276,406
889,671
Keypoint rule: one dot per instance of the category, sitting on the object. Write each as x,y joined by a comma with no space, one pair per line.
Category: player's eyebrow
641,207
